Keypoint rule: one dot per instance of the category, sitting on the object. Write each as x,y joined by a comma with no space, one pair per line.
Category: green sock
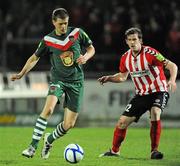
57,133
39,128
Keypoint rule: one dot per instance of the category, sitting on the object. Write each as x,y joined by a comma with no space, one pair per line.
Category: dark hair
59,13
134,30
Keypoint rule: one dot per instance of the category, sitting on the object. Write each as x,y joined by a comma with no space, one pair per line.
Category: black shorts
140,104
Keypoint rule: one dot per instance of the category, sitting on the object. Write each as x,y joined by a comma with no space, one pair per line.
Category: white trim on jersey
128,68
151,77
136,78
145,78
61,42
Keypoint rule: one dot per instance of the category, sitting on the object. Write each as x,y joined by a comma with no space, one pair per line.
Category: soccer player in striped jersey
145,66
64,46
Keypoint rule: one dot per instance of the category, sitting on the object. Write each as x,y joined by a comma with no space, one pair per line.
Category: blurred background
23,23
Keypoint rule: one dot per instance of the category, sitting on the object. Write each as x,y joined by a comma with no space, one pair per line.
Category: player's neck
136,53
58,33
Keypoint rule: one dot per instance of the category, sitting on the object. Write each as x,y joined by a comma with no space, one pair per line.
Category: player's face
134,42
61,25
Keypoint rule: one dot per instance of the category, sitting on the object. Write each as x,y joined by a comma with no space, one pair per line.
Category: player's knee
155,111
122,124
47,112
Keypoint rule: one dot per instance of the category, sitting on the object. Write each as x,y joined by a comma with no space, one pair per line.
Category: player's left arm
90,50
160,60
173,69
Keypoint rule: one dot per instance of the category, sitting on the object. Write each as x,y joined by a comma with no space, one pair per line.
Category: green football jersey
64,66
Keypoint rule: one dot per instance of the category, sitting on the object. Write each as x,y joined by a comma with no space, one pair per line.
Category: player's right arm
30,63
116,78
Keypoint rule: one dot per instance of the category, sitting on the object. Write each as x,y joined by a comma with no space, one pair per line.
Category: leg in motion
119,135
40,126
61,129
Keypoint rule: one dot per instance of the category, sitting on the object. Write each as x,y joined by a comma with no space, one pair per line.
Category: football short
73,93
140,104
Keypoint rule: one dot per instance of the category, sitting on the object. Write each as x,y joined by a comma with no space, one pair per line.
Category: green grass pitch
134,152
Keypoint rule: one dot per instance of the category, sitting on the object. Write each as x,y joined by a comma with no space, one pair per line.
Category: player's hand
81,60
172,86
16,77
103,79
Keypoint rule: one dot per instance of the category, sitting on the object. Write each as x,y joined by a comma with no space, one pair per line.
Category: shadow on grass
7,162
134,158
165,162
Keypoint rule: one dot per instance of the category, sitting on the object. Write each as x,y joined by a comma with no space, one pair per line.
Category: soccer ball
73,153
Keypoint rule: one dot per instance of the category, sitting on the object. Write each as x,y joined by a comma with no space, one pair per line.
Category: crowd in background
104,20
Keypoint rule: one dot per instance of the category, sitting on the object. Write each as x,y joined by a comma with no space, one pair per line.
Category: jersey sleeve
122,66
84,39
155,57
42,49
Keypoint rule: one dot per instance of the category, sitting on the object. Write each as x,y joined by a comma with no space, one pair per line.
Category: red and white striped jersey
146,70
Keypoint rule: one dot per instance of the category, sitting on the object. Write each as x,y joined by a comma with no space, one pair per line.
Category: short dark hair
134,30
59,13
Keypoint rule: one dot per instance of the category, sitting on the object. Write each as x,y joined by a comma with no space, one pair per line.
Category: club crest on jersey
67,58
72,39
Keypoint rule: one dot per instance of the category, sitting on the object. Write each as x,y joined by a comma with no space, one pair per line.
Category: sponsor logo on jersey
157,100
140,73
149,51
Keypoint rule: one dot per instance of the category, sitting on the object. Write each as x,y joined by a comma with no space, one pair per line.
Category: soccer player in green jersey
63,45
